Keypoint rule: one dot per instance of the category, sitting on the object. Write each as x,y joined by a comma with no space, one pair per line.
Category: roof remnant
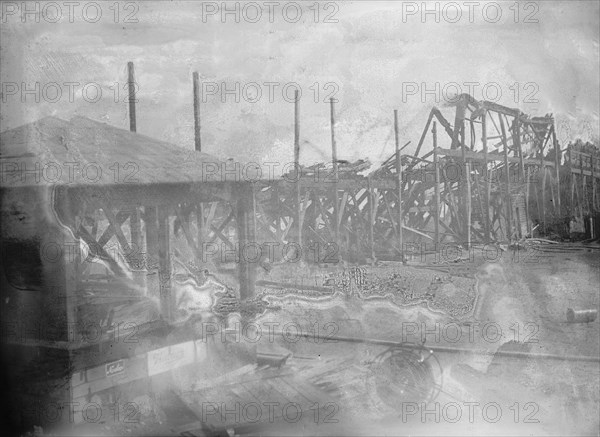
52,151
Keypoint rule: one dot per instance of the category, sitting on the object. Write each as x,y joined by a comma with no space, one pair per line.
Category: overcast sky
542,57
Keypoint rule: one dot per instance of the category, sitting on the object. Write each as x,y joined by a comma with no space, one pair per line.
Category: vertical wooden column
275,206
527,175
458,140
298,217
131,85
424,134
251,236
467,197
506,181
399,184
336,207
136,231
246,230
557,168
198,148
164,264
135,227
572,181
242,233
371,212
134,218
151,224
592,162
524,174
543,169
583,184
436,164
65,282
196,89
486,179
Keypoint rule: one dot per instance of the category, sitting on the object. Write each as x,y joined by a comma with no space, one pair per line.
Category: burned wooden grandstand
79,189
492,176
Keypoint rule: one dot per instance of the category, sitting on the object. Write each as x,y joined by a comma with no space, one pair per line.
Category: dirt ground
472,314
520,305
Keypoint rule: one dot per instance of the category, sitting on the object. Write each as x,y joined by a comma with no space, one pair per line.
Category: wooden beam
198,148
399,180
298,215
131,83
218,231
334,158
246,230
424,134
197,137
116,229
584,172
458,141
187,233
494,157
507,180
593,183
164,264
99,251
557,168
136,231
109,232
543,190
516,133
437,186
486,193
583,184
151,224
371,213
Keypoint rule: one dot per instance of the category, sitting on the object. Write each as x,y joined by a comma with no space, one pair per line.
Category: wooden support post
424,134
134,220
469,201
298,212
246,229
131,82
572,181
136,232
198,148
557,169
251,236
467,188
164,264
151,224
592,162
458,140
583,184
276,208
371,212
399,184
436,164
525,175
151,250
507,181
197,137
200,233
242,234
486,179
543,168
458,122
336,208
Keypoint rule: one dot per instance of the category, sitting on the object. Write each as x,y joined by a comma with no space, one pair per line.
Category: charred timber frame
374,217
